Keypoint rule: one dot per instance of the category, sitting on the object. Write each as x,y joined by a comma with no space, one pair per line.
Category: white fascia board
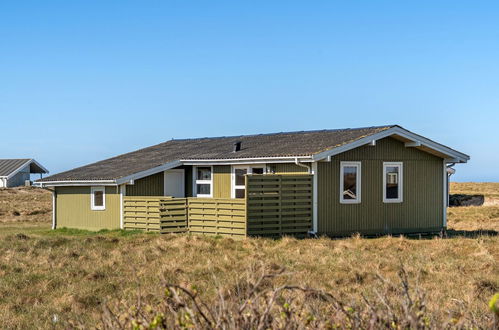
19,169
432,144
29,162
75,183
244,161
143,174
455,155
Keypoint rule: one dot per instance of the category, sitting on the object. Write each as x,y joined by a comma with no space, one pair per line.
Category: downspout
54,202
297,162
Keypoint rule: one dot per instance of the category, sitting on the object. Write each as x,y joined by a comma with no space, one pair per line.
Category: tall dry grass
71,276
58,278
25,205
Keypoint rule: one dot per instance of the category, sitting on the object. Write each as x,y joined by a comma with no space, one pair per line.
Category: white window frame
249,170
94,207
400,166
196,182
357,165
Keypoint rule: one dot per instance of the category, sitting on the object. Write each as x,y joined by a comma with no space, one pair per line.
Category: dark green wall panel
422,206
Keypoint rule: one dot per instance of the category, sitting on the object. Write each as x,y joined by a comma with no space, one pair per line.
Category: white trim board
446,193
400,183
455,156
28,162
151,171
122,205
75,183
358,182
195,182
54,201
249,170
94,207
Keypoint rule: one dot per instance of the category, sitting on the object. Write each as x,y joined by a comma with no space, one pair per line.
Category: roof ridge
282,133
234,136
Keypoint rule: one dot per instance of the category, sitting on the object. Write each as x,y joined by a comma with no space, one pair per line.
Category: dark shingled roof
290,144
7,166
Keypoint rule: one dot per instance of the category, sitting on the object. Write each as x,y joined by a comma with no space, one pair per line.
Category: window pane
350,182
392,182
257,170
98,198
203,189
240,193
240,172
204,173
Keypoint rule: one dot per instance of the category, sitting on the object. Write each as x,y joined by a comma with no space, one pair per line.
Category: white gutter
42,184
244,161
151,171
130,178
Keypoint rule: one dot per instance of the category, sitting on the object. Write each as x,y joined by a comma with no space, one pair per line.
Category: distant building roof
9,167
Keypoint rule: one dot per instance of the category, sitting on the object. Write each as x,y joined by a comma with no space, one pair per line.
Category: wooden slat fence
158,214
217,216
279,205
275,205
173,213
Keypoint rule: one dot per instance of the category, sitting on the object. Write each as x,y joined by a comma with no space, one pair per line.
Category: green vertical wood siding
73,209
422,206
152,185
221,181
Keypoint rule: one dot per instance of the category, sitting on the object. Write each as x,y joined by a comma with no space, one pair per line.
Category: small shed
15,172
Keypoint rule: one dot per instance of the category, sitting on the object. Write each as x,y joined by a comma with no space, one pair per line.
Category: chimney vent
237,146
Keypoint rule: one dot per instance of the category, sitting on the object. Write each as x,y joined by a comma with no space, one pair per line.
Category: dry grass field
65,278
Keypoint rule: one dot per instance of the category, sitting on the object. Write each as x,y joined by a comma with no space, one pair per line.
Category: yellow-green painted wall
422,206
221,181
73,209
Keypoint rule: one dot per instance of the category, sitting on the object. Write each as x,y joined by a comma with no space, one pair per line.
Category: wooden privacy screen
158,214
217,216
275,205
279,205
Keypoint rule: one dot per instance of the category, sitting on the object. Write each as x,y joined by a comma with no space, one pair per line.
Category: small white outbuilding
15,172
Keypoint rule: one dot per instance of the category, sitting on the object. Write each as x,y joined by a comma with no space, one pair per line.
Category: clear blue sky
82,81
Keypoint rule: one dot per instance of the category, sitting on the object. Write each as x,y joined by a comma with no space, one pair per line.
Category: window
238,179
203,183
98,198
392,182
350,182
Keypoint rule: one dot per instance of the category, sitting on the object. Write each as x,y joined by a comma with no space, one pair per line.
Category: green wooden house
374,180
